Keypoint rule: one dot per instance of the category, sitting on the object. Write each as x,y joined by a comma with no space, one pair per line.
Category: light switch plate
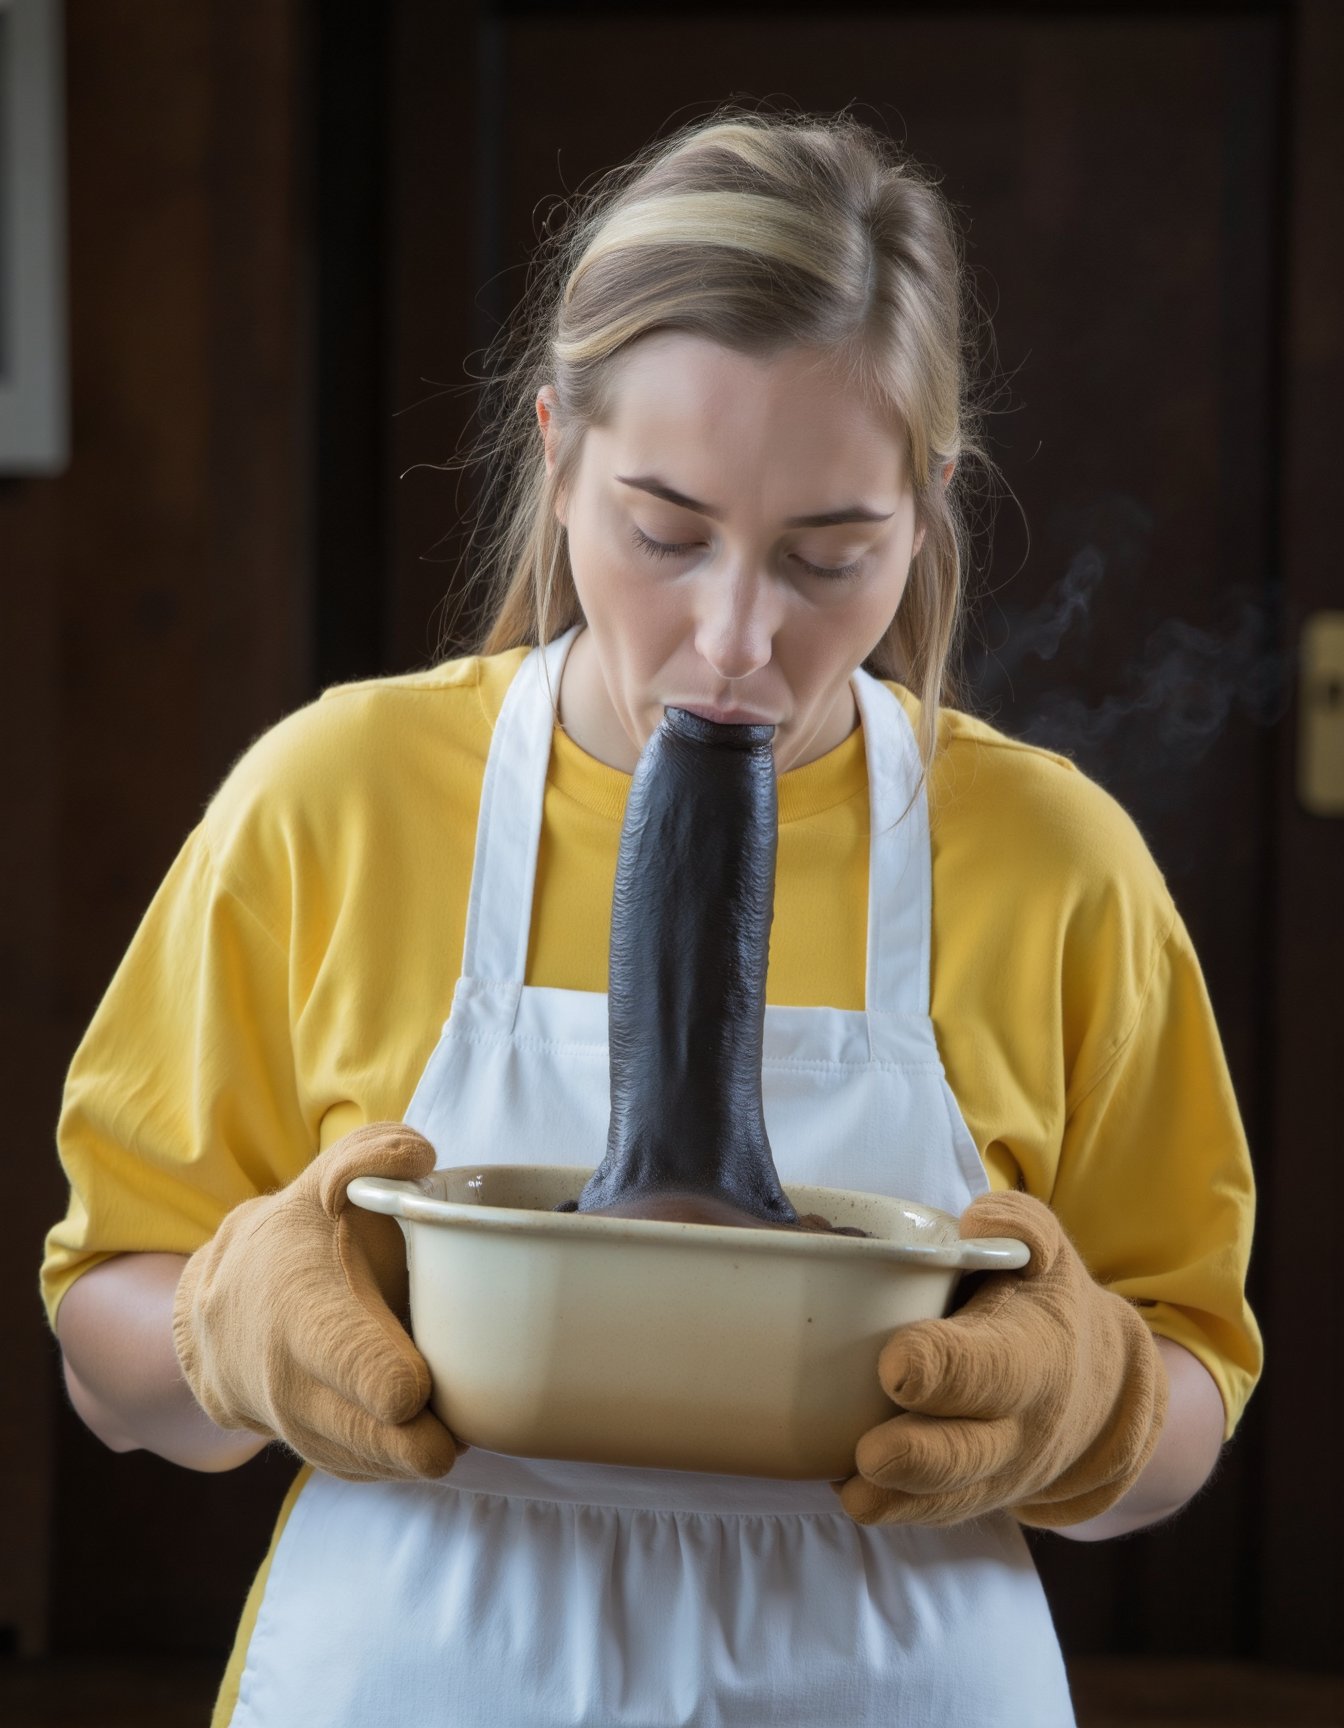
1320,738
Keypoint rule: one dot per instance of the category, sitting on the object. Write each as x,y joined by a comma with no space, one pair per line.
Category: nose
736,622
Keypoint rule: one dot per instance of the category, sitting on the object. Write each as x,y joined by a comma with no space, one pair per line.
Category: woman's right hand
283,1325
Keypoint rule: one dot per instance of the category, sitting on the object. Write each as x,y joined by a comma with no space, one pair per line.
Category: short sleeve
181,1100
1154,1180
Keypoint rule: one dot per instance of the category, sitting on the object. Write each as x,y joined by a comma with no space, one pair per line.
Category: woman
739,425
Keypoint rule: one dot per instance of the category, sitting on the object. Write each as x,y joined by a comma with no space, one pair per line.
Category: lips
726,716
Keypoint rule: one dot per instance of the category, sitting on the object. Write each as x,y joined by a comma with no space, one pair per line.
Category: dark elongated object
690,944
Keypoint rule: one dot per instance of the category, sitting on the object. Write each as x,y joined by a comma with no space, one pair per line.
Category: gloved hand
282,1320
1043,1395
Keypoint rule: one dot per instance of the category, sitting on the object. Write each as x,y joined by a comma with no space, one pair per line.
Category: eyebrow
825,519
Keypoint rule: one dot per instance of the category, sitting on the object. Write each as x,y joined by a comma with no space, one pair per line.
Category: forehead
737,419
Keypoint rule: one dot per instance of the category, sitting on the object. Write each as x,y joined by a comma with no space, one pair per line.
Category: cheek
595,565
633,617
602,568
642,595
882,605
884,608
829,644
866,612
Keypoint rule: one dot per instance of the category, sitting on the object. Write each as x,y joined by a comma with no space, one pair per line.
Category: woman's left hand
1043,1396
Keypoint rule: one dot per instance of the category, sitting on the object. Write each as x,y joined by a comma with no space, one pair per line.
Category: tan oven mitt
1043,1395
285,1321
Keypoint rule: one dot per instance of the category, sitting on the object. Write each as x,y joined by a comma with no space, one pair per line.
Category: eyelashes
656,548
659,549
841,572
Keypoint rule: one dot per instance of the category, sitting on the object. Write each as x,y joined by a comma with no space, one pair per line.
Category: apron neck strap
508,828
900,877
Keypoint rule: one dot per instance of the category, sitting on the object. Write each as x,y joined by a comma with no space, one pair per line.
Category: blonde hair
759,232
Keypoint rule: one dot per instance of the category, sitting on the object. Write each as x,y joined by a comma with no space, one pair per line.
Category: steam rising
1174,698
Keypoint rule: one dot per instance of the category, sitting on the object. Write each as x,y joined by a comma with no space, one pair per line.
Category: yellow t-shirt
291,977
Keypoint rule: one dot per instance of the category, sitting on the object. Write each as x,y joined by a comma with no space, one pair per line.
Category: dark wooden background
293,230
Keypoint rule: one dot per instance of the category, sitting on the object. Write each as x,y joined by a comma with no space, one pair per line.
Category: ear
548,404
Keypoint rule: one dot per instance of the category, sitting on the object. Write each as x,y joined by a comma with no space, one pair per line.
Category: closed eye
660,549
839,573
657,548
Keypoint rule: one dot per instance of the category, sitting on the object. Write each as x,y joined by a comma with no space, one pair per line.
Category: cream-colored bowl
673,1346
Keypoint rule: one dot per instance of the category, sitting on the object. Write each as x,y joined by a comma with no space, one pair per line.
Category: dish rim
409,1203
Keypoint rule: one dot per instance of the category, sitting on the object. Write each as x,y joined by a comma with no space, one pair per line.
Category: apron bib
524,1593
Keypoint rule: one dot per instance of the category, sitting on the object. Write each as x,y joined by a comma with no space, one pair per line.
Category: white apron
519,1593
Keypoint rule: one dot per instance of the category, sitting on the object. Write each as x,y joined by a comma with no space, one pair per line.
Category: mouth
726,716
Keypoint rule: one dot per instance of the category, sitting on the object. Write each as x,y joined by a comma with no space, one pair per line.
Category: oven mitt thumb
284,1320
1043,1395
